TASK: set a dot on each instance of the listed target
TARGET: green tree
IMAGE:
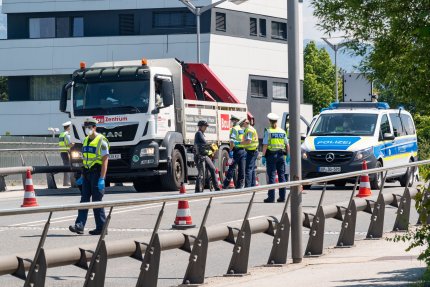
(394, 37)
(3, 89)
(318, 87)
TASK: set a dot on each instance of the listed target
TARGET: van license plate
(115, 156)
(329, 169)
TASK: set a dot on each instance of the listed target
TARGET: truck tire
(222, 164)
(175, 174)
(376, 180)
(409, 177)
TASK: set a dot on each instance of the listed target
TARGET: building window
(42, 28)
(280, 91)
(78, 27)
(279, 30)
(126, 24)
(259, 88)
(253, 27)
(173, 20)
(220, 22)
(47, 88)
(263, 31)
(63, 27)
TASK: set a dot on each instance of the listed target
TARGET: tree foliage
(319, 81)
(3, 89)
(398, 33)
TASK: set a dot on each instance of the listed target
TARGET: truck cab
(346, 134)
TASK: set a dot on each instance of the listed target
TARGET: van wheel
(376, 181)
(175, 174)
(409, 177)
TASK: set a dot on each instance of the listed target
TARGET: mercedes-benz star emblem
(329, 157)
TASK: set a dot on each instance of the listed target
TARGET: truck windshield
(110, 98)
(345, 124)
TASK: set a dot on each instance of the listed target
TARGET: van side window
(385, 126)
(408, 124)
(397, 125)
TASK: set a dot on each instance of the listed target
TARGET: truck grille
(325, 157)
(124, 162)
(120, 133)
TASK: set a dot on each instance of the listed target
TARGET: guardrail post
(50, 179)
(347, 233)
(316, 234)
(403, 211)
(196, 268)
(3, 186)
(239, 261)
(279, 252)
(151, 261)
(376, 227)
(96, 272)
(425, 212)
(23, 175)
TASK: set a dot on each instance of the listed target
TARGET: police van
(346, 134)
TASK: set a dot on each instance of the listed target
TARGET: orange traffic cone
(364, 190)
(276, 178)
(183, 215)
(218, 179)
(257, 182)
(29, 195)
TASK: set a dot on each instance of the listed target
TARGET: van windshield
(345, 124)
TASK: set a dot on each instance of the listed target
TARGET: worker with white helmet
(275, 147)
(65, 143)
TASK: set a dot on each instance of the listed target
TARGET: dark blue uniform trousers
(251, 168)
(239, 160)
(275, 162)
(91, 190)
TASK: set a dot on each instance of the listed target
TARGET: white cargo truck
(148, 110)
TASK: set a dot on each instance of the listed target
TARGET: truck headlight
(304, 154)
(76, 155)
(149, 151)
(363, 154)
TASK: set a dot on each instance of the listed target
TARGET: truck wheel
(222, 164)
(409, 177)
(176, 173)
(376, 181)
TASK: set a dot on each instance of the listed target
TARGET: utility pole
(294, 98)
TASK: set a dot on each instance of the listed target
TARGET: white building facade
(246, 46)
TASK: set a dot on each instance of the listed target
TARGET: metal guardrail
(196, 242)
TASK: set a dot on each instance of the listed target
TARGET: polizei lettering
(337, 142)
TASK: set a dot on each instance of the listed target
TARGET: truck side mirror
(167, 93)
(63, 99)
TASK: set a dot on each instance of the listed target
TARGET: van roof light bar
(359, 105)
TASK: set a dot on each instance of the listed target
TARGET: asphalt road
(20, 234)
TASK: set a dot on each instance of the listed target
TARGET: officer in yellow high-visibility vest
(237, 154)
(275, 148)
(250, 143)
(65, 143)
(95, 154)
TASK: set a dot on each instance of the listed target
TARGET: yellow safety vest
(63, 143)
(276, 139)
(91, 152)
(254, 141)
(238, 135)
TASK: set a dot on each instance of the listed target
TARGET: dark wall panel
(19, 88)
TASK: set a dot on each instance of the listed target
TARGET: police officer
(65, 143)
(250, 143)
(237, 153)
(95, 153)
(275, 146)
(202, 152)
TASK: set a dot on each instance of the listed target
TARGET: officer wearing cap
(201, 156)
(250, 143)
(237, 153)
(95, 153)
(275, 147)
(65, 143)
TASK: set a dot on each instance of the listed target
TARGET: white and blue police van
(346, 134)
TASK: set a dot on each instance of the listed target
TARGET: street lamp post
(336, 47)
(198, 11)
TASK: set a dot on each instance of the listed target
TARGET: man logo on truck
(113, 134)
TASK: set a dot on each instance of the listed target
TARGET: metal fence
(196, 242)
